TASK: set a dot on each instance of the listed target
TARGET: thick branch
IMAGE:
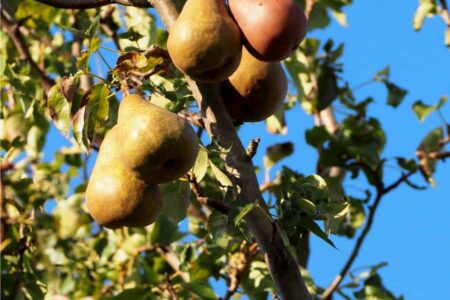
(85, 4)
(14, 33)
(218, 124)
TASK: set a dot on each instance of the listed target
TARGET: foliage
(51, 246)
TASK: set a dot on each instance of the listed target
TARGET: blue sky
(411, 229)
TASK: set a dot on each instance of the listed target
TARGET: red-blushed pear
(115, 196)
(154, 142)
(272, 29)
(205, 43)
(255, 91)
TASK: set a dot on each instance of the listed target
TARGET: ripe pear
(271, 29)
(204, 42)
(156, 143)
(255, 91)
(115, 196)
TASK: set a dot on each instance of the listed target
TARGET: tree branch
(195, 187)
(354, 254)
(85, 4)
(283, 267)
(338, 279)
(16, 37)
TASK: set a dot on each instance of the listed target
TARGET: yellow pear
(156, 143)
(115, 196)
(204, 42)
(256, 90)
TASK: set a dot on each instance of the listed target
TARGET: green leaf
(304, 205)
(176, 197)
(317, 136)
(220, 176)
(409, 165)
(395, 94)
(258, 282)
(383, 75)
(92, 115)
(243, 213)
(59, 108)
(83, 59)
(136, 293)
(374, 289)
(90, 33)
(340, 17)
(327, 85)
(201, 290)
(164, 231)
(277, 152)
(422, 110)
(276, 123)
(201, 164)
(431, 142)
(132, 35)
(319, 17)
(314, 228)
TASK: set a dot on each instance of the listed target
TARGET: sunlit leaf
(59, 108)
(201, 164)
(422, 110)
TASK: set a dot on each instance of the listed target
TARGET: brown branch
(193, 118)
(338, 279)
(282, 266)
(309, 7)
(354, 254)
(16, 37)
(172, 260)
(85, 4)
(207, 201)
(170, 288)
(252, 148)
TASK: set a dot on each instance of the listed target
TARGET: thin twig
(381, 191)
(214, 204)
(170, 288)
(252, 147)
(309, 8)
(172, 260)
(15, 34)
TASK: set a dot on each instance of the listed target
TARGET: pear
(255, 91)
(204, 42)
(271, 29)
(115, 196)
(156, 143)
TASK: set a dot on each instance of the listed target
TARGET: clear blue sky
(411, 229)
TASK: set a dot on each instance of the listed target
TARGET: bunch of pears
(148, 146)
(239, 46)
